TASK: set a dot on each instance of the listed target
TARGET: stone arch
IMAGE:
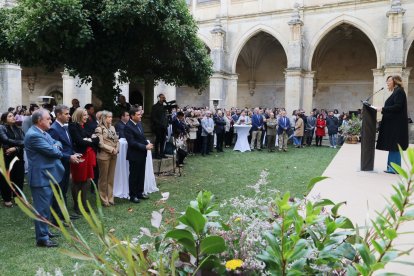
(409, 42)
(325, 30)
(206, 40)
(248, 35)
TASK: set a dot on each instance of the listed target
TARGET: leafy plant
(352, 127)
(306, 237)
(194, 237)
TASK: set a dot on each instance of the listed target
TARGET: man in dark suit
(136, 155)
(120, 125)
(159, 119)
(43, 154)
(59, 132)
(283, 130)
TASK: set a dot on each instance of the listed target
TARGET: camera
(170, 105)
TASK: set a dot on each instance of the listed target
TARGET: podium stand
(368, 131)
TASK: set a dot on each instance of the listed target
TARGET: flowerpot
(352, 139)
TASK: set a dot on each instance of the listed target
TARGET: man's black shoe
(164, 156)
(157, 157)
(143, 197)
(51, 235)
(46, 243)
(134, 200)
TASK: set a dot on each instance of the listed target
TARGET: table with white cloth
(242, 143)
(121, 181)
(121, 185)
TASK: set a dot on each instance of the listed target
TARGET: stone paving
(364, 193)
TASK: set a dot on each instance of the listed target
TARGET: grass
(226, 174)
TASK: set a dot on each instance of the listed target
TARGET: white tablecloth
(121, 183)
(242, 132)
(150, 186)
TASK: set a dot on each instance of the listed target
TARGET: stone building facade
(277, 53)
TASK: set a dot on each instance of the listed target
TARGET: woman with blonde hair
(82, 143)
(106, 157)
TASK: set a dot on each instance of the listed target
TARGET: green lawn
(225, 174)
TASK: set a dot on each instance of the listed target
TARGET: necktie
(65, 127)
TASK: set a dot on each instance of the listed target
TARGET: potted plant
(351, 130)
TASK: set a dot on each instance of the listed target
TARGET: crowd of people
(205, 130)
(76, 145)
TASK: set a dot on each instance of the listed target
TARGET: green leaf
(61, 226)
(323, 202)
(194, 219)
(377, 247)
(397, 201)
(59, 198)
(390, 233)
(344, 223)
(299, 250)
(180, 234)
(31, 214)
(212, 245)
(313, 181)
(334, 209)
(189, 245)
(390, 211)
(365, 254)
(377, 266)
(399, 170)
(390, 256)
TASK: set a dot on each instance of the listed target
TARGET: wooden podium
(368, 134)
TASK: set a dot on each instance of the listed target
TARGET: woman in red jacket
(320, 129)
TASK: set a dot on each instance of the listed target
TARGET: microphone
(369, 98)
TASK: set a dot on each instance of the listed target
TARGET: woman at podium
(393, 130)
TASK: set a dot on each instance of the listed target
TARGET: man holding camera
(159, 118)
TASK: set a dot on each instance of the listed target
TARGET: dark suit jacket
(77, 134)
(119, 127)
(90, 125)
(59, 134)
(283, 126)
(43, 156)
(136, 142)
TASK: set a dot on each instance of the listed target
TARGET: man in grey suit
(44, 155)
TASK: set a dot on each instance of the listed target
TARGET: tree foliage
(94, 39)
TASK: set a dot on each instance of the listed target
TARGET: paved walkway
(363, 192)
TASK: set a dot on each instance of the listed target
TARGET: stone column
(217, 55)
(170, 91)
(293, 89)
(10, 86)
(308, 89)
(379, 82)
(73, 89)
(294, 72)
(405, 78)
(216, 90)
(68, 88)
(394, 54)
(231, 95)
